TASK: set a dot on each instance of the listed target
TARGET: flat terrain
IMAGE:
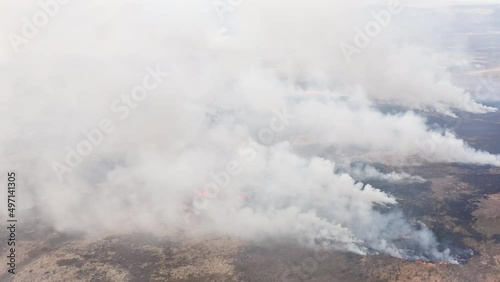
(461, 204)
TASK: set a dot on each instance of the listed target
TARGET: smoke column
(131, 111)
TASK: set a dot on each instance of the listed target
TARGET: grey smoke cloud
(367, 172)
(221, 91)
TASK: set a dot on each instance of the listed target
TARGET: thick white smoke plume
(240, 137)
(367, 172)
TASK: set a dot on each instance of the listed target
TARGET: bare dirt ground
(126, 257)
(461, 204)
(450, 203)
(142, 257)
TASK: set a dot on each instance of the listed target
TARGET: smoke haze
(256, 109)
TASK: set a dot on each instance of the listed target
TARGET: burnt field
(459, 203)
